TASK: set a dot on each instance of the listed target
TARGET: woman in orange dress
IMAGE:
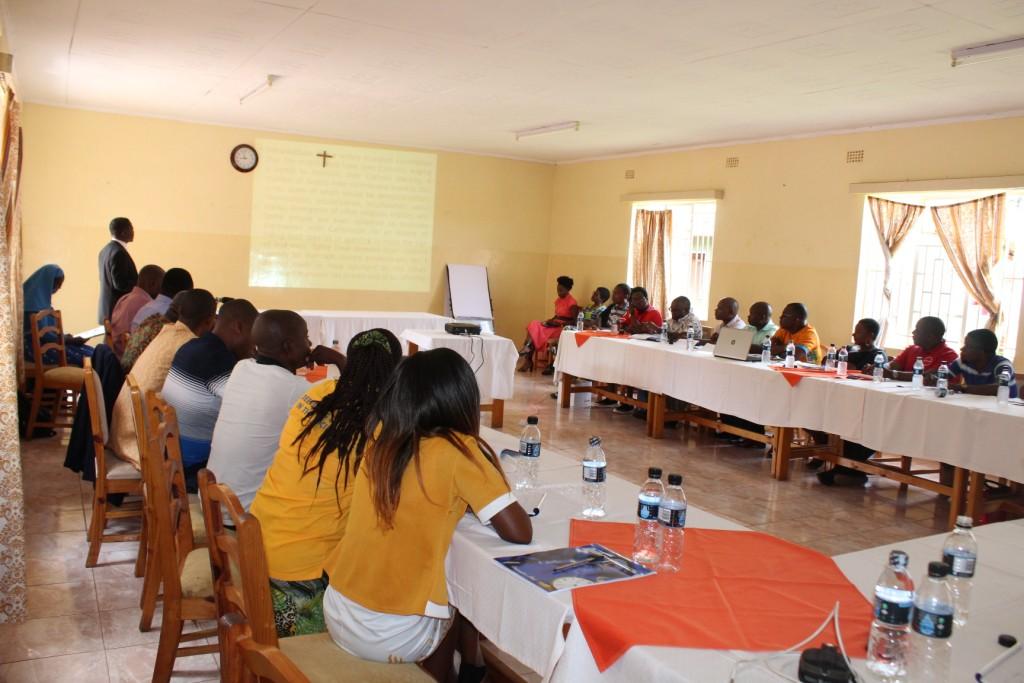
(540, 332)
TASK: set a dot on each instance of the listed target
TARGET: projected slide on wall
(341, 217)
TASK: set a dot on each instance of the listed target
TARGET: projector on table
(462, 328)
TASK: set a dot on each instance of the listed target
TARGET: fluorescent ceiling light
(551, 128)
(258, 89)
(985, 52)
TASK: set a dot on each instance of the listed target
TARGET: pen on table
(991, 666)
(536, 510)
(579, 563)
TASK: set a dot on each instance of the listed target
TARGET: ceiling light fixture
(985, 52)
(543, 130)
(260, 88)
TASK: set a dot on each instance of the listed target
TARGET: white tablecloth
(326, 326)
(492, 358)
(969, 431)
(527, 623)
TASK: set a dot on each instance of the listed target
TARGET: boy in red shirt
(928, 345)
(641, 317)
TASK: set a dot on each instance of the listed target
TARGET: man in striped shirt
(195, 383)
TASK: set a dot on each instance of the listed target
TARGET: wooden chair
(146, 563)
(108, 333)
(182, 568)
(241, 579)
(59, 382)
(259, 662)
(113, 475)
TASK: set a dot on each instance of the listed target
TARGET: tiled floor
(83, 623)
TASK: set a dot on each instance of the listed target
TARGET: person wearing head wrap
(37, 295)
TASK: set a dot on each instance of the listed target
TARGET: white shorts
(381, 637)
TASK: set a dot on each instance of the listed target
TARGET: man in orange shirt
(793, 327)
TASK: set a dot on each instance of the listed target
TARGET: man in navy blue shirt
(978, 368)
(195, 383)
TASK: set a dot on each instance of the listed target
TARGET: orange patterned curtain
(974, 238)
(652, 239)
(893, 221)
(12, 526)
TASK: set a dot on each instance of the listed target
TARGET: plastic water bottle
(579, 320)
(960, 553)
(529, 455)
(648, 532)
(932, 626)
(689, 338)
(842, 362)
(790, 355)
(889, 642)
(594, 466)
(942, 381)
(664, 333)
(336, 345)
(1003, 390)
(830, 359)
(672, 519)
(766, 350)
(880, 360)
(918, 380)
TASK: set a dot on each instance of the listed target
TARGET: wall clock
(244, 158)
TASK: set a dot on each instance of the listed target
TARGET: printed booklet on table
(565, 568)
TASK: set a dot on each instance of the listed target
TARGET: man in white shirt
(257, 398)
(727, 313)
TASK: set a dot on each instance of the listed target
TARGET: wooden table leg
(566, 388)
(975, 495)
(956, 501)
(781, 447)
(655, 415)
(413, 348)
(497, 413)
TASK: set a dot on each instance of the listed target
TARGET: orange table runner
(794, 375)
(583, 337)
(737, 590)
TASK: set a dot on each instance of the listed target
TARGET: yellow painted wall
(788, 228)
(191, 209)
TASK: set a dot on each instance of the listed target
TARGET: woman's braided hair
(341, 415)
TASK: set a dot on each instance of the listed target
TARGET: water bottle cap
(898, 558)
(675, 480)
(532, 420)
(595, 441)
(938, 570)
(964, 522)
(334, 342)
(654, 473)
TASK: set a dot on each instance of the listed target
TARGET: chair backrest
(166, 494)
(97, 422)
(233, 554)
(108, 333)
(51, 324)
(261, 662)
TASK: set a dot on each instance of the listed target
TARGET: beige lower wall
(788, 229)
(191, 209)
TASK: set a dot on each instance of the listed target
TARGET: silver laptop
(734, 344)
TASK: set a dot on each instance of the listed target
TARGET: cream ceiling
(464, 74)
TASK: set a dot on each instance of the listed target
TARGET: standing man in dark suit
(117, 269)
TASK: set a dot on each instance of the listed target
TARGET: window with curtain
(923, 281)
(687, 260)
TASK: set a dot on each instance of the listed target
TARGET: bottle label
(675, 518)
(528, 449)
(893, 606)
(932, 625)
(961, 566)
(647, 511)
(593, 474)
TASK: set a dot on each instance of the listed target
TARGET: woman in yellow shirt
(388, 594)
(322, 443)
